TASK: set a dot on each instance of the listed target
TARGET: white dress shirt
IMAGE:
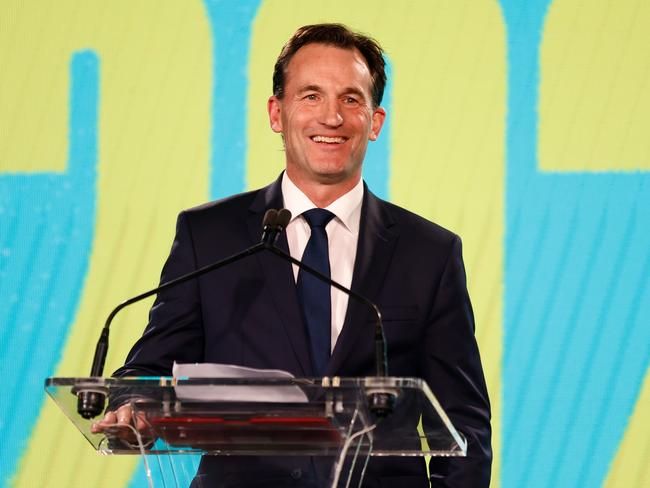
(342, 235)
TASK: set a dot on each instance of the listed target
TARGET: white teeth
(329, 140)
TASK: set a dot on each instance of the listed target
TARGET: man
(327, 88)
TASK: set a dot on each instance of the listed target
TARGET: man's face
(326, 115)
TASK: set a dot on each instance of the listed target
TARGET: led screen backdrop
(521, 125)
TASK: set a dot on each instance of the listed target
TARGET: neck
(323, 194)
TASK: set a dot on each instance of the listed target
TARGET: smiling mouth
(328, 140)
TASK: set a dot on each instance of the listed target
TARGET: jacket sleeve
(175, 329)
(452, 366)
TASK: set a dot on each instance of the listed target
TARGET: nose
(330, 114)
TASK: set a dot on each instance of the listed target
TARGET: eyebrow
(310, 88)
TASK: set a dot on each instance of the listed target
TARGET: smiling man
(261, 312)
(326, 113)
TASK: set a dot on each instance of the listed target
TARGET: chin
(333, 169)
(335, 178)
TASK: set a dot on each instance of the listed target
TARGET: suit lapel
(374, 251)
(279, 276)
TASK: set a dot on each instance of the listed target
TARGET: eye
(350, 101)
(312, 97)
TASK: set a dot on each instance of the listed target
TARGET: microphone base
(382, 393)
(90, 403)
(381, 403)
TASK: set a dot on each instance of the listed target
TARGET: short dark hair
(337, 35)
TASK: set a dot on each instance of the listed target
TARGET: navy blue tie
(314, 294)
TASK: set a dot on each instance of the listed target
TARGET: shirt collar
(346, 208)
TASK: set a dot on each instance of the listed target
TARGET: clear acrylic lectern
(327, 417)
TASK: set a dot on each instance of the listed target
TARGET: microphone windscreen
(284, 216)
(270, 218)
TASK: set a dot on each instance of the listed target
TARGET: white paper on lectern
(234, 393)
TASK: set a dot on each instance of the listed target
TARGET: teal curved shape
(376, 165)
(230, 24)
(230, 27)
(577, 294)
(47, 223)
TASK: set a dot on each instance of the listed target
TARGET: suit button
(296, 474)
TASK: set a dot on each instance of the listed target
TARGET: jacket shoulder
(410, 223)
(225, 207)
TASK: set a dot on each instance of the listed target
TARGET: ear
(378, 117)
(274, 107)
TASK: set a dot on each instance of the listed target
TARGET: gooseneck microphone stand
(91, 401)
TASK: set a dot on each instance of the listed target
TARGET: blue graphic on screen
(377, 162)
(47, 222)
(230, 25)
(577, 308)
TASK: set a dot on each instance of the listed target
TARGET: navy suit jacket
(248, 314)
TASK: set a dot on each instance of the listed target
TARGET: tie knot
(318, 217)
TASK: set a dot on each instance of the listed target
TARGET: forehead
(322, 63)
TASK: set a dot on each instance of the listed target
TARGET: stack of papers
(234, 393)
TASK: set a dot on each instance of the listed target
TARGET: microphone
(91, 399)
(381, 400)
(269, 229)
(274, 223)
